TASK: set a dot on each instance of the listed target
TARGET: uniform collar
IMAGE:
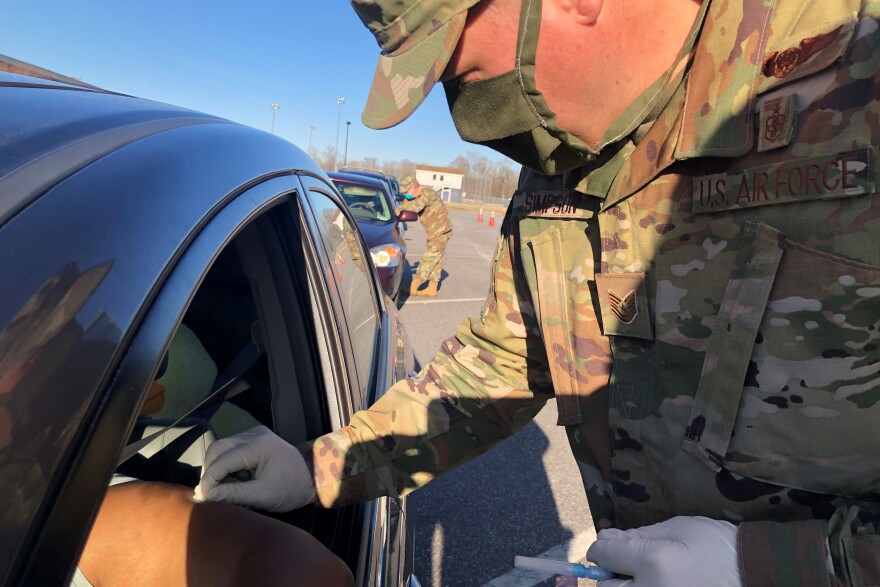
(710, 115)
(723, 80)
(625, 133)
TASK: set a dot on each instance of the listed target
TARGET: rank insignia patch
(777, 122)
(624, 307)
(624, 303)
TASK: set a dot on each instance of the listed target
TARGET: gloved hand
(681, 552)
(280, 480)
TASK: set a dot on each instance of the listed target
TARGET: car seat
(178, 454)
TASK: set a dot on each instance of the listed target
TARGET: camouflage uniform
(438, 229)
(705, 308)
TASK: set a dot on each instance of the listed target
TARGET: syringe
(563, 568)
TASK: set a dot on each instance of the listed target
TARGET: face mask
(409, 196)
(507, 113)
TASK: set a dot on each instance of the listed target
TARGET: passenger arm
(153, 534)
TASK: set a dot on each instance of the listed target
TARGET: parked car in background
(395, 185)
(379, 222)
(390, 181)
(125, 222)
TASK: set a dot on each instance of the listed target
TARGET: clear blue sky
(233, 59)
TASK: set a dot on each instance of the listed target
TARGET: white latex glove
(681, 552)
(280, 480)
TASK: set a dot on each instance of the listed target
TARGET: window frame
(326, 189)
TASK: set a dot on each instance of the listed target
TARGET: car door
(376, 354)
(56, 532)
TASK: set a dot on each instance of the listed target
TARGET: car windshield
(364, 202)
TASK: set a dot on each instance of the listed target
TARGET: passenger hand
(280, 480)
(679, 552)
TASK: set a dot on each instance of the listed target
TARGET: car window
(235, 336)
(351, 270)
(248, 329)
(364, 202)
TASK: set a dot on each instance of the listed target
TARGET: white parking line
(408, 302)
(481, 255)
(572, 550)
(437, 555)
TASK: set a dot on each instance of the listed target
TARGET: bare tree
(484, 178)
(326, 157)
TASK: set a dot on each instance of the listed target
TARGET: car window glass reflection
(217, 328)
(364, 202)
(352, 275)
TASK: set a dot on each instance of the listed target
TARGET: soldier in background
(438, 229)
(689, 267)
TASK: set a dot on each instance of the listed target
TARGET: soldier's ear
(583, 12)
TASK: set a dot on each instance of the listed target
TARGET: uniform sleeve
(484, 384)
(844, 550)
(414, 205)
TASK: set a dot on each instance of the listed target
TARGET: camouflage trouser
(430, 267)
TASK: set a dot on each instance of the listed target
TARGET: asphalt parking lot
(525, 496)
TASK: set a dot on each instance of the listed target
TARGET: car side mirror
(407, 216)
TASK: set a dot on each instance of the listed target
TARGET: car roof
(40, 116)
(49, 129)
(12, 65)
(367, 180)
(366, 172)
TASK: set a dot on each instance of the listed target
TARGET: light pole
(311, 130)
(339, 101)
(275, 106)
(347, 128)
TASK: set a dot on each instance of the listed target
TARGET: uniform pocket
(795, 403)
(578, 355)
(491, 300)
(556, 322)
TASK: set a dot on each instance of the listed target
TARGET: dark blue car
(376, 214)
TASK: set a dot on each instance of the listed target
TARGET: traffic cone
(480, 215)
(492, 219)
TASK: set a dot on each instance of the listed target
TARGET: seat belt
(231, 383)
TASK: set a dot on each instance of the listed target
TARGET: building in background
(446, 181)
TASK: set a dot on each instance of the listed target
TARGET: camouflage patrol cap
(417, 38)
(407, 183)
